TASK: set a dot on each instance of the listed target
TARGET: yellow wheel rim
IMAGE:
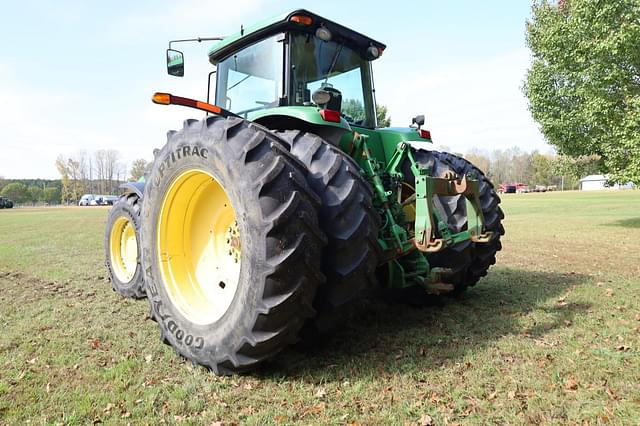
(124, 249)
(199, 247)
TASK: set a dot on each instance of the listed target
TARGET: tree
(61, 165)
(35, 194)
(381, 116)
(51, 195)
(17, 192)
(584, 82)
(138, 167)
(543, 173)
(478, 159)
(354, 109)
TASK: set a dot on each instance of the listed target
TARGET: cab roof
(282, 23)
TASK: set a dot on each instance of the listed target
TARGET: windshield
(251, 79)
(316, 63)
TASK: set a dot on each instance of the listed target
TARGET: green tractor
(5, 203)
(274, 215)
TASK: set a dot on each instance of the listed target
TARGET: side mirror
(419, 120)
(175, 63)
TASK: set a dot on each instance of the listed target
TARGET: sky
(79, 74)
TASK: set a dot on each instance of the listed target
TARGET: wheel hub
(198, 243)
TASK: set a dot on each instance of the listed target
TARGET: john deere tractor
(270, 217)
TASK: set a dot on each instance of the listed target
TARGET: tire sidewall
(123, 209)
(210, 343)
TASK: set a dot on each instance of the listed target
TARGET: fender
(133, 188)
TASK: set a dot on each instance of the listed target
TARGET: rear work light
(330, 115)
(302, 20)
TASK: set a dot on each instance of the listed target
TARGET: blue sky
(78, 75)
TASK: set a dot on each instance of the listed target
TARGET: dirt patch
(21, 285)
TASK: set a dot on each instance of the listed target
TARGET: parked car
(86, 200)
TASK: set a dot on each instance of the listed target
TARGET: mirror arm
(198, 39)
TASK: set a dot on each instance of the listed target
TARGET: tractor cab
(300, 66)
(299, 71)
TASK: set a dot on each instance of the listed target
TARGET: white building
(596, 182)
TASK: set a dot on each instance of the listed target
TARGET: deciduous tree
(584, 82)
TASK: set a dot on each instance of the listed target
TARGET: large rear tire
(348, 218)
(232, 244)
(483, 255)
(122, 247)
(455, 258)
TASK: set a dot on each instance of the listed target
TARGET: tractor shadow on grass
(389, 337)
(633, 222)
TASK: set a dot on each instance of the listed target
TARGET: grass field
(552, 335)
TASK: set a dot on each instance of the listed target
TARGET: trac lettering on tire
(179, 153)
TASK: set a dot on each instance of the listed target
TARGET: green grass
(552, 335)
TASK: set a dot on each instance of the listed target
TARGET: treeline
(100, 173)
(82, 173)
(33, 191)
(534, 168)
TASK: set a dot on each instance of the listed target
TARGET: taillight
(425, 134)
(330, 115)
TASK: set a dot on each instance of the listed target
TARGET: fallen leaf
(571, 385)
(316, 409)
(609, 292)
(32, 360)
(217, 423)
(148, 358)
(108, 408)
(95, 344)
(139, 401)
(125, 415)
(637, 317)
(568, 323)
(511, 395)
(622, 348)
(492, 396)
(426, 420)
(48, 387)
(321, 393)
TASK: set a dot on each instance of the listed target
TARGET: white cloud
(477, 104)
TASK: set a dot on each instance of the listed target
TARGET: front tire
(122, 247)
(232, 244)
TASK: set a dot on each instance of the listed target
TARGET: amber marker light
(301, 19)
(161, 98)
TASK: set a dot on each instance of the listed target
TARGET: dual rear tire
(232, 244)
